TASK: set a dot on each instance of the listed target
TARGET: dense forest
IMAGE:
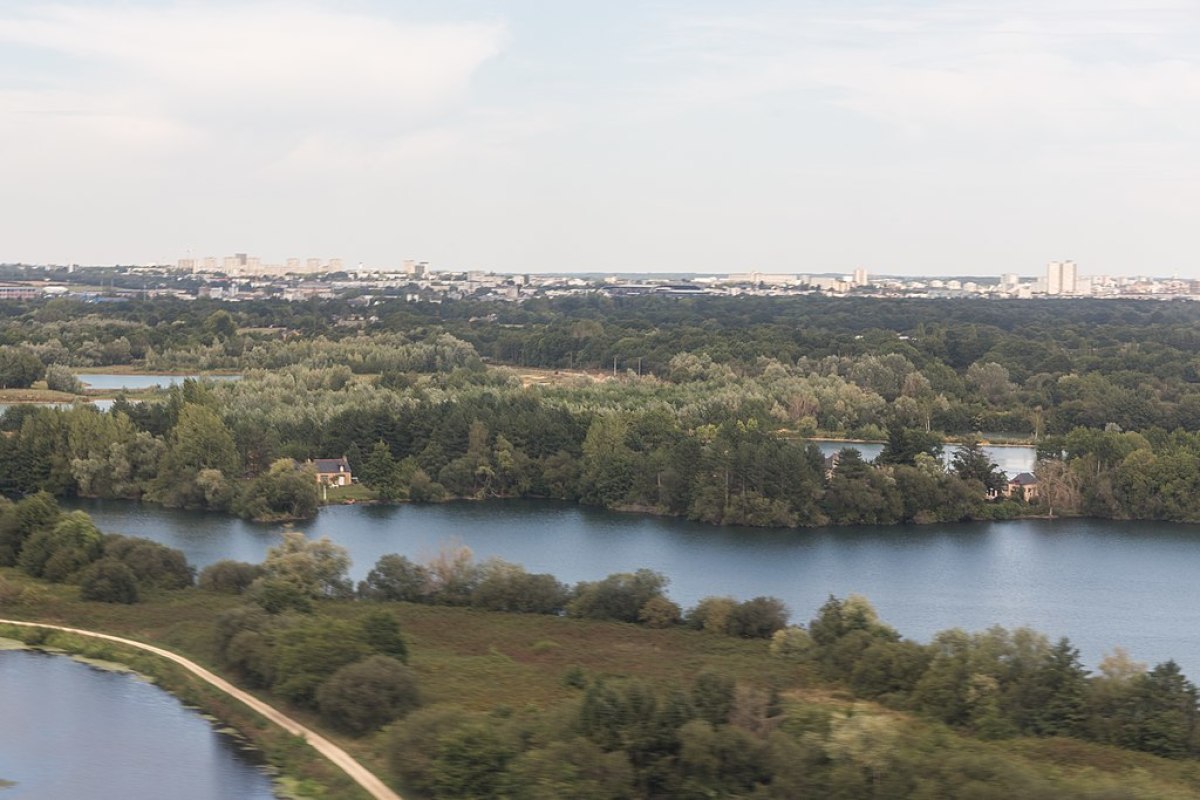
(705, 415)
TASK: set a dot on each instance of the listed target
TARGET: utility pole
(614, 366)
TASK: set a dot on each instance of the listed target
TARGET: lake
(115, 382)
(73, 731)
(1012, 459)
(1101, 583)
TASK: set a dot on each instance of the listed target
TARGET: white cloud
(1055, 68)
(255, 76)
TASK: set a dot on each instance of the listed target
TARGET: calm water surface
(1012, 459)
(68, 730)
(1101, 583)
(112, 382)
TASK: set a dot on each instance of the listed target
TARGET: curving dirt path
(361, 775)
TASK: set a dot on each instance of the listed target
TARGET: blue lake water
(1101, 583)
(1012, 459)
(112, 382)
(68, 730)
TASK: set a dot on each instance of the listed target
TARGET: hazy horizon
(924, 139)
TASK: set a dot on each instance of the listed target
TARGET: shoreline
(193, 688)
(630, 510)
(219, 726)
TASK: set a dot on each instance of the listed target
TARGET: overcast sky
(555, 135)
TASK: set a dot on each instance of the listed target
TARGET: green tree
(153, 564)
(59, 552)
(228, 576)
(108, 581)
(905, 444)
(381, 472)
(309, 652)
(381, 632)
(972, 463)
(19, 520)
(758, 618)
(1160, 715)
(60, 378)
(396, 578)
(317, 568)
(220, 325)
(200, 460)
(620, 596)
(508, 587)
(19, 368)
(286, 491)
(471, 763)
(361, 697)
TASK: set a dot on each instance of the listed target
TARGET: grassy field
(35, 395)
(354, 493)
(486, 660)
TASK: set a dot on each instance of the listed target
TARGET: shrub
(229, 576)
(618, 597)
(381, 632)
(56, 553)
(108, 581)
(368, 694)
(758, 618)
(395, 577)
(60, 379)
(659, 612)
(152, 563)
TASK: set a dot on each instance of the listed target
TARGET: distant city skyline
(916, 139)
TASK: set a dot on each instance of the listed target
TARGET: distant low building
(19, 292)
(333, 471)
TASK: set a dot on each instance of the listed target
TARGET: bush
(108, 581)
(229, 576)
(286, 491)
(309, 653)
(277, 595)
(56, 553)
(508, 587)
(758, 618)
(381, 632)
(19, 368)
(60, 379)
(712, 614)
(618, 597)
(152, 563)
(659, 612)
(366, 695)
(791, 643)
(395, 578)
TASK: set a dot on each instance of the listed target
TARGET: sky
(809, 136)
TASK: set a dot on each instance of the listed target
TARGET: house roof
(325, 465)
(1024, 479)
